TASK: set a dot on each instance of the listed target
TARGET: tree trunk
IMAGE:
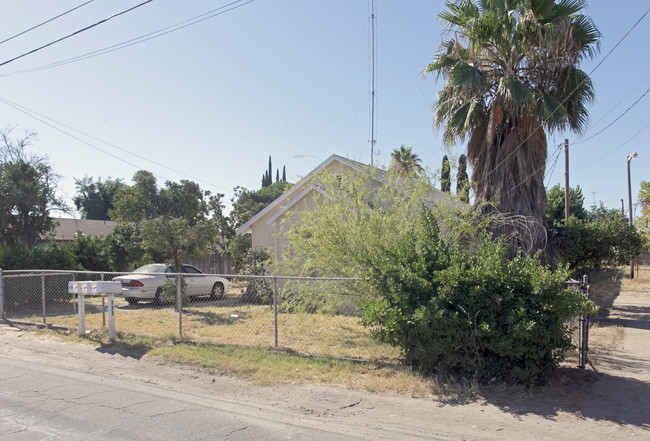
(508, 163)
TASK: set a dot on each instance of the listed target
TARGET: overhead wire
(611, 110)
(615, 149)
(45, 22)
(75, 33)
(142, 38)
(613, 122)
(42, 118)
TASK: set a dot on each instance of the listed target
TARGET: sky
(287, 78)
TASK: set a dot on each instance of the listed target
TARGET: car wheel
(158, 298)
(217, 291)
(132, 301)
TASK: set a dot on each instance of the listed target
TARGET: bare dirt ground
(608, 400)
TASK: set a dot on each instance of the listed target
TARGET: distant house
(265, 227)
(68, 229)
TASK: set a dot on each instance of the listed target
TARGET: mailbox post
(104, 289)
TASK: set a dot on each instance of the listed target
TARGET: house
(265, 227)
(67, 229)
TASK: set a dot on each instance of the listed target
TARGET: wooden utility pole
(567, 209)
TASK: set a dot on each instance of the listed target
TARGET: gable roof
(305, 185)
(300, 189)
(67, 229)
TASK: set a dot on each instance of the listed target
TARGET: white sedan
(145, 283)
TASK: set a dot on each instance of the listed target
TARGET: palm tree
(405, 161)
(511, 72)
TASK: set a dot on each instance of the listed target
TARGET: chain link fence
(315, 316)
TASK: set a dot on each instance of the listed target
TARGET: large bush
(477, 314)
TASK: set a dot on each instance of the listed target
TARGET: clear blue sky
(287, 78)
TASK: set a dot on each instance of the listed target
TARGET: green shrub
(603, 241)
(170, 292)
(258, 291)
(477, 314)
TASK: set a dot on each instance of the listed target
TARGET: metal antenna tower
(372, 81)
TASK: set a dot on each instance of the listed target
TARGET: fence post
(103, 304)
(585, 324)
(275, 308)
(74, 296)
(43, 294)
(2, 297)
(179, 306)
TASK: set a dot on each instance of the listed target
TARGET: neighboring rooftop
(67, 229)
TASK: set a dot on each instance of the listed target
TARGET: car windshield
(151, 268)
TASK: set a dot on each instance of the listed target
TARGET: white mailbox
(101, 288)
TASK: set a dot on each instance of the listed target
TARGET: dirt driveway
(611, 403)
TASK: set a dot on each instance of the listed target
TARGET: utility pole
(629, 196)
(567, 209)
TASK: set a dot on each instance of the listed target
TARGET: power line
(613, 122)
(75, 33)
(577, 141)
(612, 151)
(41, 118)
(563, 101)
(46, 22)
(141, 39)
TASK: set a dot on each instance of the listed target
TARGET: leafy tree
(222, 222)
(171, 222)
(511, 71)
(462, 180)
(405, 161)
(94, 200)
(123, 247)
(176, 237)
(247, 203)
(27, 192)
(238, 249)
(137, 202)
(555, 205)
(445, 175)
(183, 200)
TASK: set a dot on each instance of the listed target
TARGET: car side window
(190, 269)
(170, 270)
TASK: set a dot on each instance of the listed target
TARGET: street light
(629, 201)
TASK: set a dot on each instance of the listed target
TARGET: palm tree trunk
(508, 177)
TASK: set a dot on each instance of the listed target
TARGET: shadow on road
(130, 350)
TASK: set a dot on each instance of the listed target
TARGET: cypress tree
(445, 178)
(270, 175)
(277, 175)
(462, 180)
(284, 173)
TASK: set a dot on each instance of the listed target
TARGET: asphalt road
(40, 402)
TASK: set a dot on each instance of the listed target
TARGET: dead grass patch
(246, 326)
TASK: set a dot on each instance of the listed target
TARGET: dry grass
(243, 325)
